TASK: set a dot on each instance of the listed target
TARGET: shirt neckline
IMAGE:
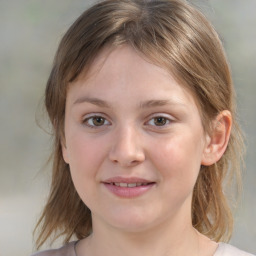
(216, 253)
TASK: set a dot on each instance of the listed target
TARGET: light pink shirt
(69, 250)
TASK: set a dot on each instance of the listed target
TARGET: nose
(127, 149)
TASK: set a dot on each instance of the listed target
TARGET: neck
(174, 238)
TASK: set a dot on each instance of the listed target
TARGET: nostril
(130, 163)
(127, 160)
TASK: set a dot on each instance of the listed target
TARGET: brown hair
(172, 34)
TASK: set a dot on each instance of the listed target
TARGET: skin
(149, 127)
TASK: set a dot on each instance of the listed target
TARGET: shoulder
(229, 250)
(66, 250)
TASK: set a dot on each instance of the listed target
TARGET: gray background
(29, 34)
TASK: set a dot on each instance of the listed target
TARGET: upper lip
(120, 179)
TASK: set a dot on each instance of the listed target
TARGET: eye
(159, 121)
(96, 121)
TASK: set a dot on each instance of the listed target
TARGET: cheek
(178, 158)
(85, 161)
(85, 157)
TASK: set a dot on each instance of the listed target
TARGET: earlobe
(217, 142)
(64, 151)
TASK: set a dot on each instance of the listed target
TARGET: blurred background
(30, 31)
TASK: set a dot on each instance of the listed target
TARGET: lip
(128, 192)
(119, 179)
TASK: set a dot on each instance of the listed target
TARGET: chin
(132, 222)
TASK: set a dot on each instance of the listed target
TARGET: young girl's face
(134, 142)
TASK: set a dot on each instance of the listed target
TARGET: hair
(176, 36)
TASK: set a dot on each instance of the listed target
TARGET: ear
(217, 141)
(64, 150)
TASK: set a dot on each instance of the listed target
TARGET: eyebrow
(156, 103)
(144, 104)
(94, 101)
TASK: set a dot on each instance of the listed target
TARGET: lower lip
(127, 192)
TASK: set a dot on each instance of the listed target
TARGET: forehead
(112, 58)
(115, 61)
(123, 72)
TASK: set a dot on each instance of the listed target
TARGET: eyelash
(166, 120)
(87, 120)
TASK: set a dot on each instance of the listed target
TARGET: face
(134, 142)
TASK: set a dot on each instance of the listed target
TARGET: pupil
(160, 121)
(98, 121)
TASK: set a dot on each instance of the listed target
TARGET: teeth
(129, 185)
(132, 185)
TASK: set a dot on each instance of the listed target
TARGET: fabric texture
(66, 250)
(229, 250)
(69, 250)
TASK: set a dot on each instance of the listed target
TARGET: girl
(142, 106)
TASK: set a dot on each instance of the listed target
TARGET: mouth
(128, 187)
